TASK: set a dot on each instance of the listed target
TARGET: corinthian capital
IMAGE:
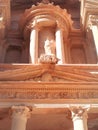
(78, 112)
(20, 111)
(93, 20)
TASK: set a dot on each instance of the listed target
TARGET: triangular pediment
(47, 73)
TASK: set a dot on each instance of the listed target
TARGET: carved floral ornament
(45, 15)
(79, 112)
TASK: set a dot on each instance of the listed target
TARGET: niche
(78, 55)
(46, 33)
(13, 54)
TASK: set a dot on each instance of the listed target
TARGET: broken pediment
(48, 73)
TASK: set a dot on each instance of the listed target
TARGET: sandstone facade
(48, 65)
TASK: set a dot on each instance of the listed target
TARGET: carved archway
(56, 24)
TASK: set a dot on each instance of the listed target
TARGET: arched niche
(46, 22)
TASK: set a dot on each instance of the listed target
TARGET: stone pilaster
(20, 115)
(93, 24)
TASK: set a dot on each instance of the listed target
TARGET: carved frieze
(39, 93)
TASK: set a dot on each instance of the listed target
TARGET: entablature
(88, 8)
(48, 82)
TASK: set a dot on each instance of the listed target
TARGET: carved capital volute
(92, 20)
(20, 111)
(79, 113)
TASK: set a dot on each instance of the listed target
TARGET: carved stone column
(60, 46)
(79, 117)
(20, 115)
(93, 23)
(34, 45)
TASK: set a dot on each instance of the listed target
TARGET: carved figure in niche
(50, 53)
(49, 47)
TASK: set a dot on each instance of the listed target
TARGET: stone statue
(50, 53)
(49, 47)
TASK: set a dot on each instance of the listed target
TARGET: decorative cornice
(88, 7)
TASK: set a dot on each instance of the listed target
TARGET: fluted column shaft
(60, 46)
(34, 46)
(20, 115)
(79, 117)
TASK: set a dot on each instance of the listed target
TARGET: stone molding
(47, 91)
